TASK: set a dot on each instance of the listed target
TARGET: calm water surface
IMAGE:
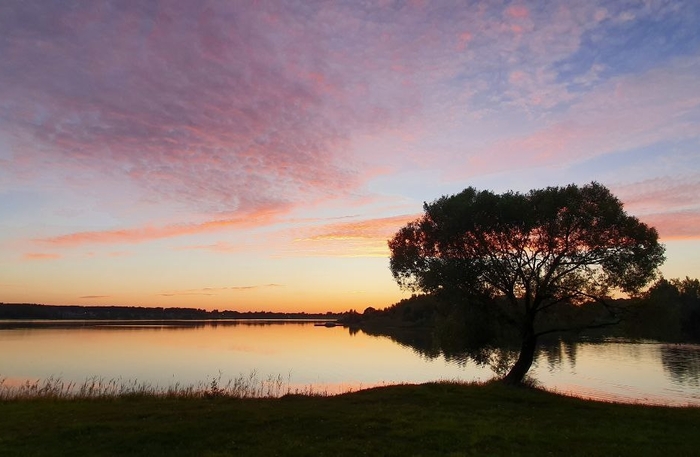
(327, 359)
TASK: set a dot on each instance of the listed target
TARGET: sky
(257, 155)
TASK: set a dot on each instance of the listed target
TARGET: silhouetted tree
(524, 256)
(670, 310)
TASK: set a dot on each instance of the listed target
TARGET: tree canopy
(531, 252)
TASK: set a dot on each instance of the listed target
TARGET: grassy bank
(431, 419)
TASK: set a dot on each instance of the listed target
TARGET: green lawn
(431, 419)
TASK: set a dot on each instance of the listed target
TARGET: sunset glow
(257, 155)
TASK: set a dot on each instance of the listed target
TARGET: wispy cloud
(227, 107)
(382, 227)
(675, 225)
(360, 238)
(220, 246)
(263, 286)
(184, 294)
(41, 256)
(119, 254)
(222, 106)
(213, 291)
(668, 203)
(90, 297)
(625, 113)
(138, 235)
(662, 193)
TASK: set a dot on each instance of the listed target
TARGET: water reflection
(326, 358)
(682, 362)
(145, 324)
(558, 353)
(606, 369)
(334, 359)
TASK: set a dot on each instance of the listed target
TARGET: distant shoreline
(39, 312)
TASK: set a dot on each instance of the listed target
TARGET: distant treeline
(59, 312)
(668, 311)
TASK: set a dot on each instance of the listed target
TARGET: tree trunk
(527, 354)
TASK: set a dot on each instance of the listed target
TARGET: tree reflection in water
(430, 344)
(682, 362)
(558, 351)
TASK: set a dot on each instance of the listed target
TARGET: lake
(324, 359)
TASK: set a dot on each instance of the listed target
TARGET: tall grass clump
(242, 386)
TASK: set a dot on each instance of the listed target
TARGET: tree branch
(579, 327)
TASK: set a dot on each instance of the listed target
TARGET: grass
(56, 388)
(441, 419)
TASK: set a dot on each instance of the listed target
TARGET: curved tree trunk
(527, 354)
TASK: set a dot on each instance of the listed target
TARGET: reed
(95, 387)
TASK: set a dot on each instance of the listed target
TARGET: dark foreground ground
(425, 420)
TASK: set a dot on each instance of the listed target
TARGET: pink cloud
(220, 246)
(221, 107)
(235, 109)
(226, 107)
(364, 229)
(141, 234)
(463, 39)
(675, 225)
(40, 256)
(625, 113)
(363, 238)
(517, 11)
(661, 194)
(119, 254)
(669, 204)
